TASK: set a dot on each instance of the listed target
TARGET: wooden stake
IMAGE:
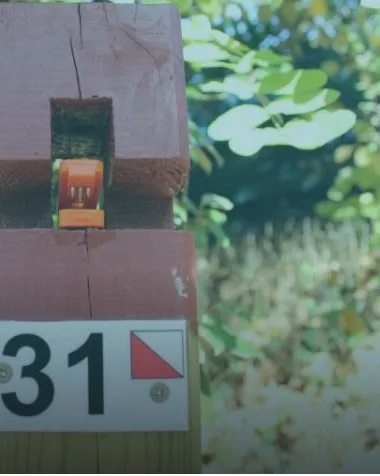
(121, 64)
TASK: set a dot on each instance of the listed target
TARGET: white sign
(93, 376)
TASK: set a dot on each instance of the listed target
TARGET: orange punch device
(80, 186)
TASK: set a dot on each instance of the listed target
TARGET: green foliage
(277, 104)
(269, 79)
(360, 161)
(204, 220)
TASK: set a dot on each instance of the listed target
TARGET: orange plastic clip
(80, 185)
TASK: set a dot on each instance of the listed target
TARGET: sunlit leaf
(212, 64)
(248, 142)
(196, 28)
(210, 7)
(289, 106)
(370, 3)
(229, 44)
(217, 216)
(230, 123)
(343, 153)
(240, 86)
(310, 134)
(318, 131)
(216, 201)
(203, 52)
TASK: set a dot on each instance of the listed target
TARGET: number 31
(92, 350)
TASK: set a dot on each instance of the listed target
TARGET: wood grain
(43, 275)
(140, 272)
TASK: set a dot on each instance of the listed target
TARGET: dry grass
(291, 353)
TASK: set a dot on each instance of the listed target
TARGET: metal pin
(160, 392)
(6, 372)
(80, 195)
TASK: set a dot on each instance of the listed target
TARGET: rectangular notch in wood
(81, 129)
(84, 129)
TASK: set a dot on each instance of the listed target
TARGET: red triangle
(147, 364)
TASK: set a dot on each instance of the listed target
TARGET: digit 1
(92, 350)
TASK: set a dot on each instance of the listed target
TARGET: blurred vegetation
(290, 343)
(289, 322)
(283, 101)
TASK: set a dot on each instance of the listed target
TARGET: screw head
(160, 392)
(6, 372)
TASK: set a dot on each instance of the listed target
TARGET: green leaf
(293, 82)
(216, 201)
(240, 86)
(230, 123)
(229, 44)
(219, 234)
(322, 128)
(266, 56)
(288, 105)
(275, 82)
(203, 52)
(200, 158)
(262, 58)
(217, 216)
(310, 134)
(370, 3)
(213, 339)
(248, 142)
(180, 212)
(198, 66)
(200, 234)
(244, 349)
(210, 7)
(214, 332)
(309, 80)
(196, 28)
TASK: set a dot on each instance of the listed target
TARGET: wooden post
(98, 330)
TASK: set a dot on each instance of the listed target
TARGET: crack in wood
(88, 271)
(75, 67)
(79, 11)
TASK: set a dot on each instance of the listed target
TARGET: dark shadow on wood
(133, 211)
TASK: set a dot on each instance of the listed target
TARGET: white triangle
(167, 344)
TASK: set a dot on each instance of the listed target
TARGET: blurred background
(284, 202)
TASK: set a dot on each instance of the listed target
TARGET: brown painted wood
(43, 275)
(123, 274)
(138, 273)
(136, 211)
(131, 54)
